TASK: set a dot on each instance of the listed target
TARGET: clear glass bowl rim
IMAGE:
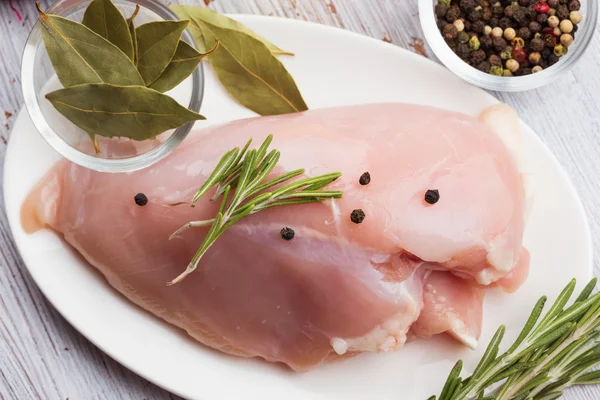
(498, 83)
(34, 40)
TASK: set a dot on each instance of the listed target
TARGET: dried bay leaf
(80, 55)
(219, 20)
(134, 112)
(157, 42)
(131, 28)
(104, 18)
(183, 63)
(250, 73)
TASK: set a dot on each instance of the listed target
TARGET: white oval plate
(332, 67)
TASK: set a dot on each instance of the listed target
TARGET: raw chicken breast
(338, 288)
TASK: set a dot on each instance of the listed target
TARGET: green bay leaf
(183, 63)
(104, 18)
(156, 43)
(250, 73)
(134, 112)
(221, 21)
(79, 55)
(131, 27)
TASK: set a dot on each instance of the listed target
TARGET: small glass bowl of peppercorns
(509, 45)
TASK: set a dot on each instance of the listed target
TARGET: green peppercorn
(506, 53)
(463, 37)
(474, 43)
(560, 50)
(445, 2)
(507, 73)
(496, 70)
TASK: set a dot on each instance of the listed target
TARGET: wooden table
(43, 357)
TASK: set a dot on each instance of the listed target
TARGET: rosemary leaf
(246, 172)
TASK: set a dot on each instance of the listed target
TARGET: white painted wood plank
(43, 357)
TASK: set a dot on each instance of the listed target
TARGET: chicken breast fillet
(338, 288)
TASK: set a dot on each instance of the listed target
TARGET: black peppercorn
(562, 12)
(441, 10)
(365, 179)
(477, 57)
(453, 14)
(468, 5)
(553, 59)
(487, 14)
(467, 25)
(519, 15)
(543, 63)
(497, 10)
(499, 44)
(495, 60)
(141, 199)
(531, 13)
(474, 15)
(357, 216)
(546, 53)
(574, 5)
(478, 26)
(287, 233)
(486, 42)
(527, 71)
(509, 11)
(494, 21)
(463, 51)
(575, 29)
(524, 33)
(432, 196)
(450, 32)
(524, 3)
(553, 3)
(537, 44)
(505, 23)
(441, 23)
(535, 27)
(541, 18)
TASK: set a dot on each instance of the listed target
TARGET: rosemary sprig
(240, 178)
(547, 357)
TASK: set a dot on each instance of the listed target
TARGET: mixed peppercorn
(509, 37)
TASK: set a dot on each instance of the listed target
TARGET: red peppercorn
(519, 54)
(549, 31)
(541, 7)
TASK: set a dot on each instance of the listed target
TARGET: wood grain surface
(43, 357)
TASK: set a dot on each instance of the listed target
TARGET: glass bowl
(116, 154)
(589, 10)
